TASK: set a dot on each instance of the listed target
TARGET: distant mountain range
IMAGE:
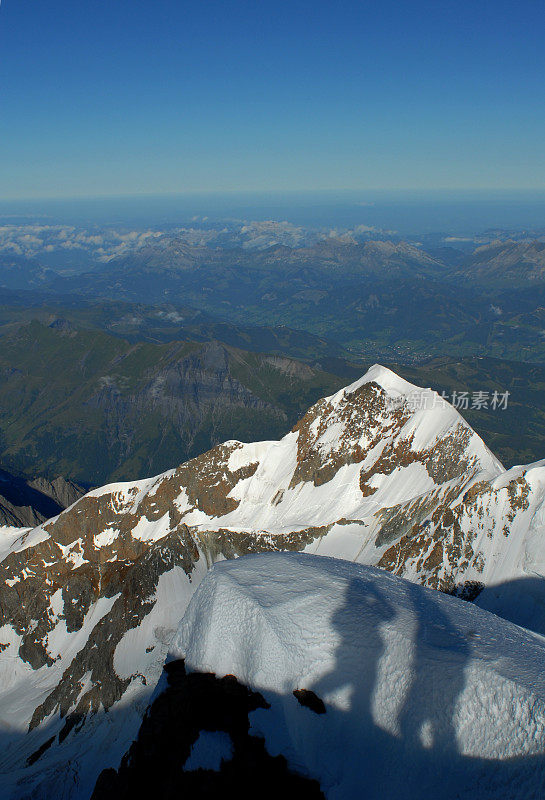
(379, 299)
(164, 351)
(507, 263)
(18, 272)
(92, 405)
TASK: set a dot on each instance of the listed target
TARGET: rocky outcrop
(25, 503)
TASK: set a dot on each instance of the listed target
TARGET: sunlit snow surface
(424, 693)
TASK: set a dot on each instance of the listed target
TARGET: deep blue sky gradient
(123, 96)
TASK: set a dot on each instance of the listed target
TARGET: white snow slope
(425, 695)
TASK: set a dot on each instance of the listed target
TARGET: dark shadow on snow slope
(404, 766)
(358, 651)
(429, 703)
(421, 759)
(521, 601)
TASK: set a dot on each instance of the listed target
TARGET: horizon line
(273, 193)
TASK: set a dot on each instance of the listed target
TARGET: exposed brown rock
(363, 414)
(309, 699)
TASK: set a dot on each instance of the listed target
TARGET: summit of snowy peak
(381, 412)
(390, 381)
(396, 394)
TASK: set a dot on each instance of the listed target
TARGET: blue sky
(121, 96)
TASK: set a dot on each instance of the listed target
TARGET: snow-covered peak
(392, 383)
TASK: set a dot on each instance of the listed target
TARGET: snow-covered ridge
(424, 694)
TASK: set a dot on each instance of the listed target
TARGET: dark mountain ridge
(27, 502)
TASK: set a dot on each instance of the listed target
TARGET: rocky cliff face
(26, 503)
(381, 472)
